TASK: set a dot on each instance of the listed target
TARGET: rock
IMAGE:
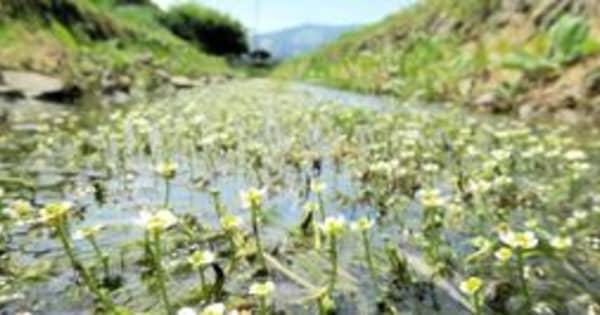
(111, 83)
(181, 82)
(38, 86)
(11, 94)
(592, 84)
(527, 112)
(568, 116)
(490, 102)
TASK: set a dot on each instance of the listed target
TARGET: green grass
(437, 49)
(129, 32)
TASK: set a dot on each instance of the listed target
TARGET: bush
(208, 29)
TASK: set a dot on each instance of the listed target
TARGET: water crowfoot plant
(56, 216)
(89, 234)
(213, 309)
(168, 171)
(521, 243)
(252, 200)
(472, 287)
(363, 226)
(333, 228)
(156, 224)
(199, 260)
(263, 291)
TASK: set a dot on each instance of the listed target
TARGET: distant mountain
(299, 40)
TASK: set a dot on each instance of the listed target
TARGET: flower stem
(102, 258)
(88, 280)
(334, 267)
(524, 287)
(255, 230)
(167, 192)
(477, 304)
(369, 259)
(161, 273)
(263, 306)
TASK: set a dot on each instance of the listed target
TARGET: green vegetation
(210, 30)
(441, 50)
(77, 38)
(255, 197)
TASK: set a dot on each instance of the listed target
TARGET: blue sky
(278, 14)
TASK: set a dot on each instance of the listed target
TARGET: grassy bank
(506, 51)
(82, 38)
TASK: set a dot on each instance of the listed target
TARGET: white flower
(262, 289)
(431, 168)
(230, 222)
(575, 155)
(157, 222)
(167, 170)
(471, 285)
(252, 198)
(18, 209)
(87, 232)
(561, 243)
(525, 240)
(317, 187)
(214, 309)
(186, 311)
(503, 254)
(430, 198)
(362, 224)
(333, 226)
(55, 212)
(201, 258)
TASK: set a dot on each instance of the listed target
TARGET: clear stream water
(56, 296)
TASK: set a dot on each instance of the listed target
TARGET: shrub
(208, 29)
(570, 39)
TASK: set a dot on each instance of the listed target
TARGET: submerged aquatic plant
(363, 226)
(168, 171)
(56, 217)
(521, 243)
(262, 291)
(333, 228)
(199, 260)
(252, 199)
(472, 287)
(156, 224)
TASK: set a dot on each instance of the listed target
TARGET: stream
(95, 159)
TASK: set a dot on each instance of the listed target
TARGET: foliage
(210, 30)
(566, 41)
(570, 39)
(374, 205)
(68, 37)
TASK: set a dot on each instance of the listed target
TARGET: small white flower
(186, 311)
(18, 209)
(252, 198)
(201, 258)
(362, 224)
(575, 155)
(230, 222)
(214, 309)
(525, 240)
(430, 198)
(317, 187)
(167, 170)
(157, 222)
(87, 232)
(561, 243)
(333, 226)
(262, 289)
